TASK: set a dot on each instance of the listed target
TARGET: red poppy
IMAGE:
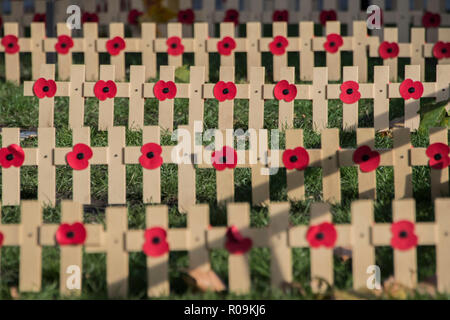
(155, 244)
(349, 92)
(164, 90)
(403, 236)
(278, 45)
(186, 16)
(224, 91)
(44, 88)
(388, 50)
(285, 91)
(226, 46)
(133, 16)
(225, 158)
(1, 239)
(439, 155)
(39, 17)
(231, 15)
(441, 50)
(333, 43)
(12, 155)
(115, 45)
(174, 46)
(71, 234)
(327, 15)
(78, 158)
(280, 15)
(367, 159)
(411, 89)
(11, 43)
(431, 20)
(64, 44)
(236, 243)
(105, 89)
(297, 158)
(323, 234)
(89, 17)
(151, 156)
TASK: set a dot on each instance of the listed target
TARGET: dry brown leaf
(344, 253)
(204, 280)
(351, 295)
(428, 286)
(14, 293)
(295, 287)
(393, 289)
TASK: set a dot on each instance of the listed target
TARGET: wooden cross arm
(123, 89)
(297, 236)
(161, 46)
(404, 50)
(47, 234)
(241, 44)
(345, 157)
(31, 156)
(182, 90)
(99, 156)
(333, 91)
(131, 45)
(62, 88)
(242, 91)
(178, 239)
(319, 42)
(78, 45)
(430, 90)
(132, 154)
(216, 237)
(303, 91)
(11, 234)
(426, 232)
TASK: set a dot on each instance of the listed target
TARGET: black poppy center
(349, 91)
(320, 236)
(411, 90)
(225, 91)
(432, 19)
(150, 155)
(185, 16)
(293, 158)
(226, 45)
(437, 157)
(173, 45)
(116, 45)
(156, 240)
(279, 45)
(332, 44)
(80, 156)
(403, 234)
(224, 159)
(105, 90)
(444, 50)
(70, 234)
(389, 50)
(63, 45)
(232, 16)
(45, 89)
(10, 45)
(9, 157)
(285, 91)
(365, 157)
(165, 90)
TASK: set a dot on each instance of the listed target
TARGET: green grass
(19, 111)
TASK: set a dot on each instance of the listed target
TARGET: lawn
(19, 111)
